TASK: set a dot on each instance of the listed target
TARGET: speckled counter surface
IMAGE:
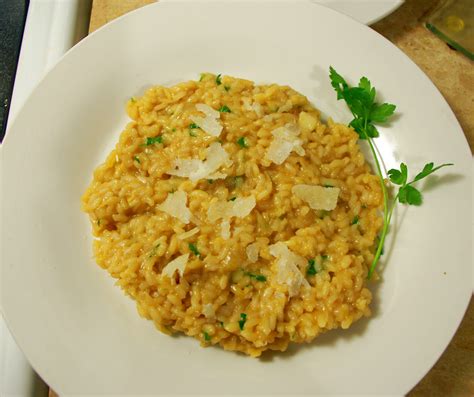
(453, 74)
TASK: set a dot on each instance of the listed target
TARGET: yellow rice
(135, 240)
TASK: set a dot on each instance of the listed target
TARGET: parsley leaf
(409, 195)
(429, 169)
(227, 88)
(192, 127)
(151, 141)
(218, 79)
(136, 159)
(194, 250)
(154, 251)
(355, 220)
(224, 109)
(258, 277)
(399, 177)
(242, 142)
(233, 198)
(207, 337)
(311, 270)
(243, 319)
(380, 113)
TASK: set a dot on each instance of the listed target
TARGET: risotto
(231, 213)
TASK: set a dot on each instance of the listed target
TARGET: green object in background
(453, 22)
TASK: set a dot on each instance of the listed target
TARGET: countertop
(453, 74)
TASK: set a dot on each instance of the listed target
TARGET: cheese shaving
(252, 252)
(189, 233)
(225, 210)
(252, 107)
(208, 310)
(318, 197)
(285, 140)
(175, 205)
(288, 268)
(240, 208)
(178, 264)
(195, 169)
(210, 123)
(225, 229)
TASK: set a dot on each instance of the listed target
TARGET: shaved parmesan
(210, 123)
(252, 107)
(189, 233)
(225, 210)
(288, 268)
(285, 140)
(225, 229)
(178, 264)
(208, 310)
(307, 122)
(252, 251)
(318, 197)
(175, 205)
(195, 169)
(240, 208)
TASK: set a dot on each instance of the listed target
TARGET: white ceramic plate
(365, 11)
(79, 331)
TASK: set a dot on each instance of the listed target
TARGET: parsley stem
(386, 213)
(383, 235)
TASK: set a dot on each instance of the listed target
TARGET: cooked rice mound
(230, 212)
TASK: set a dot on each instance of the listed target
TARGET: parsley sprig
(367, 112)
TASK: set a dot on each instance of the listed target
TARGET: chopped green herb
(242, 142)
(153, 251)
(328, 185)
(218, 79)
(99, 222)
(243, 319)
(258, 277)
(311, 270)
(151, 141)
(224, 109)
(194, 249)
(366, 111)
(355, 220)
(201, 76)
(136, 159)
(221, 323)
(324, 257)
(192, 127)
(133, 99)
(232, 198)
(234, 182)
(227, 88)
(173, 129)
(323, 213)
(207, 337)
(210, 181)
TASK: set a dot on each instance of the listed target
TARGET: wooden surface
(453, 74)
